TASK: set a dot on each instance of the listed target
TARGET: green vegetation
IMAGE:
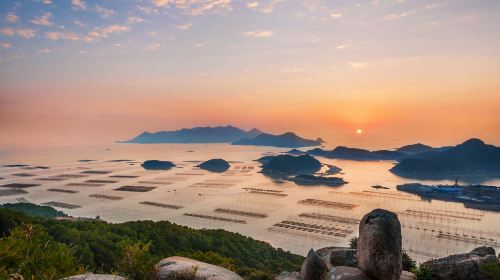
(424, 273)
(353, 243)
(30, 251)
(130, 248)
(34, 210)
(492, 270)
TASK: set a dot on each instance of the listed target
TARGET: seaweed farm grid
(287, 215)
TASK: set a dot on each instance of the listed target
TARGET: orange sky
(402, 71)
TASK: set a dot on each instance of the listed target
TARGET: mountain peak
(473, 142)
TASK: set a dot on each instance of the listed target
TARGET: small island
(157, 165)
(311, 180)
(215, 165)
(286, 140)
(289, 165)
(473, 158)
(472, 196)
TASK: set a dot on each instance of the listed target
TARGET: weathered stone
(346, 273)
(462, 266)
(288, 276)
(379, 245)
(184, 268)
(405, 275)
(95, 277)
(313, 267)
(338, 256)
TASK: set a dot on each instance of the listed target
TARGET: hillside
(219, 134)
(286, 140)
(99, 245)
(342, 152)
(471, 158)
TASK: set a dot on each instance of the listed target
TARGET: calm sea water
(83, 181)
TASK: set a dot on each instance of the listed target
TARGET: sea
(107, 181)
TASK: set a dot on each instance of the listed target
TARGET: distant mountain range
(342, 152)
(225, 134)
(219, 134)
(286, 140)
(471, 158)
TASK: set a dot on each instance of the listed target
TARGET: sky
(403, 71)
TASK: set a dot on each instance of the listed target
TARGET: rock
(405, 275)
(288, 276)
(184, 268)
(462, 266)
(346, 273)
(338, 256)
(313, 267)
(379, 245)
(95, 277)
(215, 165)
(157, 165)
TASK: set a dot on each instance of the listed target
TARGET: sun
(359, 131)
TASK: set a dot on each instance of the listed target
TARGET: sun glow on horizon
(359, 131)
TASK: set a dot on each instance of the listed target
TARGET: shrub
(424, 273)
(136, 261)
(353, 242)
(409, 264)
(30, 251)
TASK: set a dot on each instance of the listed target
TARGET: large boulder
(346, 273)
(95, 277)
(379, 245)
(288, 276)
(338, 256)
(184, 268)
(313, 267)
(462, 266)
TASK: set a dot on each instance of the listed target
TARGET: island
(219, 134)
(157, 165)
(311, 180)
(471, 158)
(342, 152)
(472, 196)
(419, 148)
(288, 164)
(215, 165)
(286, 140)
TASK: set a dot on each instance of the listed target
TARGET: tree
(32, 253)
(136, 261)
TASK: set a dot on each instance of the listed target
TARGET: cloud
(104, 12)
(105, 32)
(398, 16)
(265, 8)
(358, 64)
(11, 18)
(70, 36)
(199, 45)
(43, 20)
(185, 26)
(79, 23)
(152, 47)
(252, 5)
(43, 51)
(5, 45)
(78, 4)
(46, 2)
(193, 7)
(259, 33)
(135, 20)
(341, 47)
(161, 3)
(335, 15)
(23, 32)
